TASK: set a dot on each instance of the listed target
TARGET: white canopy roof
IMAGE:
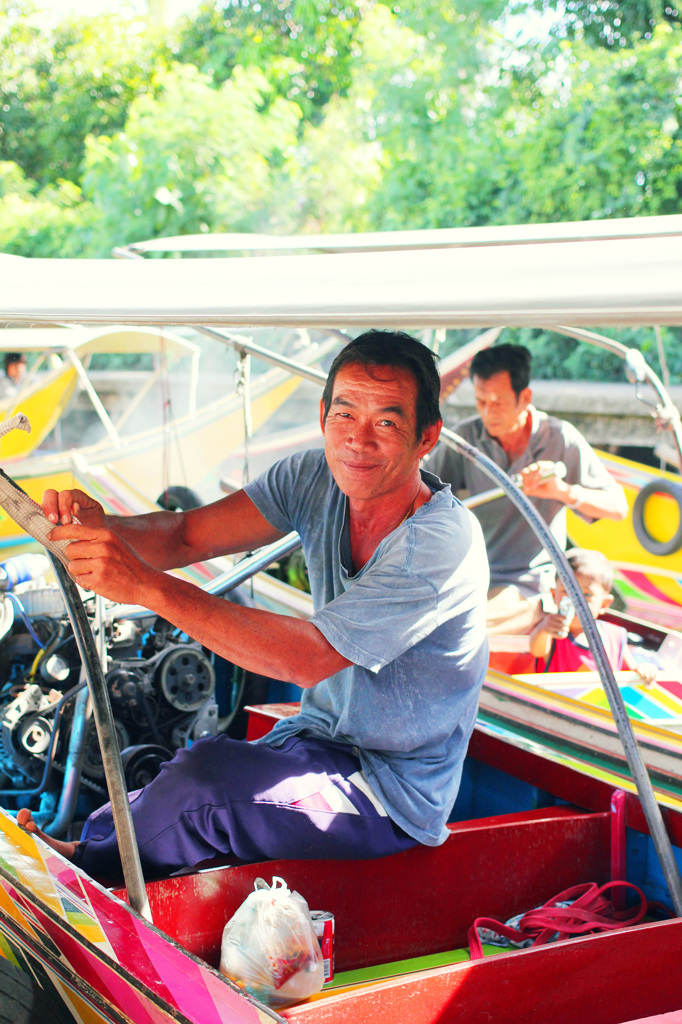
(431, 238)
(597, 282)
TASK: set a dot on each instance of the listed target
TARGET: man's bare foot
(25, 821)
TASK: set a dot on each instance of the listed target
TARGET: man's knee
(202, 763)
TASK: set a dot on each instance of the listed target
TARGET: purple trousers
(225, 797)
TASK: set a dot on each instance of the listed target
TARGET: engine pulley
(142, 763)
(25, 731)
(35, 735)
(93, 767)
(186, 678)
(126, 686)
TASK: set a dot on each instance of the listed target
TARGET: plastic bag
(269, 946)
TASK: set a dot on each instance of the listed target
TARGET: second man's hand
(540, 480)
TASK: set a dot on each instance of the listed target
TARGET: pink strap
(591, 910)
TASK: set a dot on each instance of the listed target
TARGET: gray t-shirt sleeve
(279, 492)
(584, 467)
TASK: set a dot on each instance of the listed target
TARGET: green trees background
(337, 115)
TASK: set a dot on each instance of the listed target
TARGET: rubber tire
(178, 499)
(23, 1001)
(649, 543)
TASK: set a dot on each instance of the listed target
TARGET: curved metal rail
(111, 757)
(639, 371)
(635, 761)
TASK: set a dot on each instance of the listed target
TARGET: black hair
(592, 564)
(393, 348)
(515, 359)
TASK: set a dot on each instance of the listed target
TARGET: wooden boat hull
(144, 464)
(44, 402)
(196, 444)
(44, 396)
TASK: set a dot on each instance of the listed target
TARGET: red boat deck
(413, 903)
(422, 902)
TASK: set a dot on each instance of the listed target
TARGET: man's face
(499, 408)
(16, 370)
(370, 434)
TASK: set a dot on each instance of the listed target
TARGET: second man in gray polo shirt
(521, 439)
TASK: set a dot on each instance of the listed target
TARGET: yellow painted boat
(43, 396)
(181, 452)
(649, 582)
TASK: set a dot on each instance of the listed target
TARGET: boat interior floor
(402, 921)
(423, 900)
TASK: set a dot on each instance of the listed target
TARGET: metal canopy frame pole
(95, 399)
(227, 581)
(247, 345)
(638, 370)
(640, 776)
(252, 564)
(111, 757)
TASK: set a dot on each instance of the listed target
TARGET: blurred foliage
(556, 357)
(342, 115)
(605, 140)
(59, 85)
(49, 222)
(195, 159)
(608, 24)
(305, 47)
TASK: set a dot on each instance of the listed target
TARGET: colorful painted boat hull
(103, 960)
(650, 584)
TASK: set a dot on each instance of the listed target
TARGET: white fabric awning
(428, 238)
(587, 283)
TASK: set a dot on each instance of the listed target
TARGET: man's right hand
(63, 507)
(545, 480)
(555, 624)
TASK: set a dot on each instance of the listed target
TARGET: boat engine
(161, 685)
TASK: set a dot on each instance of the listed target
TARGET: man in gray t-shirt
(523, 440)
(409, 621)
(391, 662)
